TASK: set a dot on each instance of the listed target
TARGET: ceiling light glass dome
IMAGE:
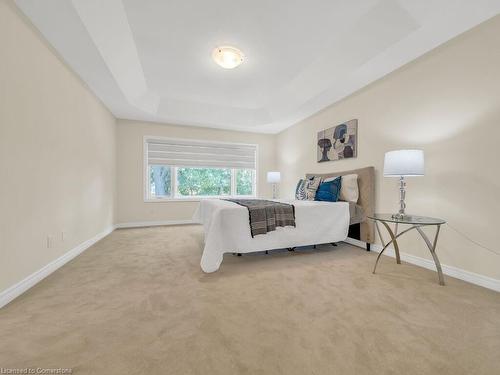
(228, 57)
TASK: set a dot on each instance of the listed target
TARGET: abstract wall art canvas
(338, 142)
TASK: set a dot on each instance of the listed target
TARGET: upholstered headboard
(366, 184)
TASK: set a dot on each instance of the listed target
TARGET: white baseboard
(471, 277)
(17, 289)
(139, 224)
(357, 243)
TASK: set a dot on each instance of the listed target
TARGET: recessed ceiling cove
(152, 60)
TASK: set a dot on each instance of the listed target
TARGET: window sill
(196, 199)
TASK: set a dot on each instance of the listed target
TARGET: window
(183, 169)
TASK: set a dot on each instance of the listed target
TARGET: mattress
(227, 228)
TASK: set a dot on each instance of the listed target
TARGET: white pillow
(349, 191)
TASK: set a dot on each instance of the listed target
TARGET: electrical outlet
(50, 241)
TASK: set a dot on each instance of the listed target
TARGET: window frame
(173, 173)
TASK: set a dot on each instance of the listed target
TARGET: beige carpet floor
(138, 303)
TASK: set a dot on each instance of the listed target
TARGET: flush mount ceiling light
(228, 57)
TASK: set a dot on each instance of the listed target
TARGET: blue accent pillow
(329, 191)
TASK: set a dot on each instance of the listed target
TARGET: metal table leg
(432, 249)
(379, 233)
(393, 240)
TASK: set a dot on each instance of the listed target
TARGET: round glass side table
(415, 222)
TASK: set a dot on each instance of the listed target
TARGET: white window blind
(191, 153)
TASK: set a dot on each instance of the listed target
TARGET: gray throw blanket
(265, 216)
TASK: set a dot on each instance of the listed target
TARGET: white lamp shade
(404, 163)
(273, 177)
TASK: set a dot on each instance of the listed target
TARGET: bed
(226, 223)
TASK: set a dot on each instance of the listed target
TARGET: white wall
(447, 103)
(130, 134)
(57, 154)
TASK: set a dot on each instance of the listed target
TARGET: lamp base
(402, 205)
(401, 216)
(275, 191)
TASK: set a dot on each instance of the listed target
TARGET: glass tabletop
(408, 219)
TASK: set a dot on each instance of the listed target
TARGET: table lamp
(274, 178)
(403, 163)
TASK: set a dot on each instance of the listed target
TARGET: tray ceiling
(151, 60)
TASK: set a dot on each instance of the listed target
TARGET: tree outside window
(159, 180)
(199, 182)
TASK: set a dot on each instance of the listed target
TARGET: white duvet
(227, 228)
